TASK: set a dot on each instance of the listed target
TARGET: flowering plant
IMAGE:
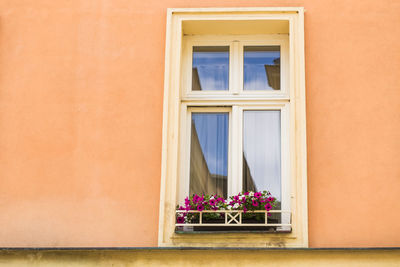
(200, 203)
(246, 201)
(250, 201)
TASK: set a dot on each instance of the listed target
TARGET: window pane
(262, 68)
(209, 154)
(262, 151)
(210, 68)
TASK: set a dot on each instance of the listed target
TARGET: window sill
(233, 231)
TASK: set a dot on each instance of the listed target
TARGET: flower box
(247, 211)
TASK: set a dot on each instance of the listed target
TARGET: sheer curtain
(262, 151)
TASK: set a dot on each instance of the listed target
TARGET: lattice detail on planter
(236, 218)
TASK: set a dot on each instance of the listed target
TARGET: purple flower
(257, 194)
(196, 198)
(180, 220)
(200, 207)
(213, 202)
(236, 198)
(187, 201)
(255, 203)
(268, 206)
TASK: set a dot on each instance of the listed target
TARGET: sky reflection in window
(210, 70)
(209, 153)
(262, 69)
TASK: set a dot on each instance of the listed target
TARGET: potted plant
(248, 202)
(252, 201)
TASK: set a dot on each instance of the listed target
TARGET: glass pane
(210, 68)
(209, 154)
(262, 68)
(262, 152)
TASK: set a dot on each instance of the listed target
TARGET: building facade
(112, 112)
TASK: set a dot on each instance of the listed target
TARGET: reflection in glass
(209, 154)
(262, 152)
(262, 68)
(210, 70)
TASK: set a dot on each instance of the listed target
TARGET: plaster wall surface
(81, 86)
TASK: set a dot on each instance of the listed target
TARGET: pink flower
(255, 203)
(271, 199)
(187, 201)
(220, 199)
(212, 202)
(268, 213)
(196, 198)
(200, 207)
(244, 209)
(236, 198)
(268, 206)
(246, 193)
(257, 194)
(180, 220)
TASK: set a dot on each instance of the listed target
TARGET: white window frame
(177, 99)
(187, 110)
(235, 146)
(236, 45)
(243, 100)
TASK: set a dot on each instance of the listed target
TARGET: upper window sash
(236, 45)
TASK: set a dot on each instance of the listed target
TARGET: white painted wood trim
(171, 120)
(236, 9)
(164, 161)
(236, 138)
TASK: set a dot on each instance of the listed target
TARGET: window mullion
(240, 67)
(236, 166)
(235, 68)
(185, 153)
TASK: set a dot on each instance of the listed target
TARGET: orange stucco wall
(81, 86)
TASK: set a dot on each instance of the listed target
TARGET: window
(234, 117)
(235, 136)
